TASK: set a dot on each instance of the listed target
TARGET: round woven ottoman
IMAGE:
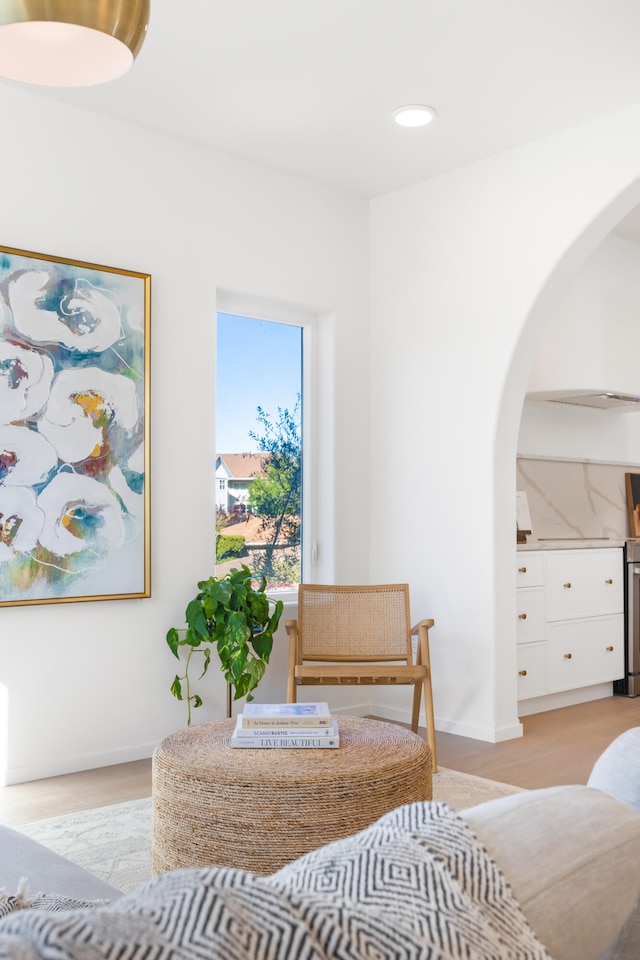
(214, 805)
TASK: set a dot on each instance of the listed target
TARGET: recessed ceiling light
(414, 115)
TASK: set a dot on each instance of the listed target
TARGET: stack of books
(302, 726)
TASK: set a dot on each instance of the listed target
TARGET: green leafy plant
(239, 620)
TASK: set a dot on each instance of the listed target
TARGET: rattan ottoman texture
(260, 809)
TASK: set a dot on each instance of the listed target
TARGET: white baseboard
(474, 732)
(554, 701)
(62, 765)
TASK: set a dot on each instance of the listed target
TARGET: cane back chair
(360, 634)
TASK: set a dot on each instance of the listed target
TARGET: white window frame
(276, 312)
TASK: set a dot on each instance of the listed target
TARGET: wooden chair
(361, 634)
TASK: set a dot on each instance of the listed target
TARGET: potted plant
(237, 618)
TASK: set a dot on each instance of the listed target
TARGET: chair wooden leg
(423, 639)
(431, 729)
(292, 630)
(415, 713)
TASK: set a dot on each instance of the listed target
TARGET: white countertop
(569, 544)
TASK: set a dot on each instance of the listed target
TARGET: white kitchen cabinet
(531, 570)
(570, 619)
(584, 583)
(531, 614)
(581, 652)
(532, 670)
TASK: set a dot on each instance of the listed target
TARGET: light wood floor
(558, 747)
(55, 796)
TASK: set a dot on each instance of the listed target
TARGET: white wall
(466, 272)
(88, 683)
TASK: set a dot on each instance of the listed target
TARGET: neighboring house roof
(244, 466)
(250, 529)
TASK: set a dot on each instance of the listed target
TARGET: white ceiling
(308, 86)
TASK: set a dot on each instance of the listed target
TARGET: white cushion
(572, 856)
(617, 771)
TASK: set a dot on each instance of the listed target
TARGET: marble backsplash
(575, 499)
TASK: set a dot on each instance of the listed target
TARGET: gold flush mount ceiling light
(70, 43)
(414, 115)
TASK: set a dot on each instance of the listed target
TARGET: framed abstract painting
(74, 430)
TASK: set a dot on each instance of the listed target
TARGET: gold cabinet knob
(522, 569)
(522, 673)
(568, 656)
(522, 616)
(608, 581)
(567, 586)
(610, 649)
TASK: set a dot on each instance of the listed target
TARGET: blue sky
(259, 363)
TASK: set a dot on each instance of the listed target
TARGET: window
(259, 443)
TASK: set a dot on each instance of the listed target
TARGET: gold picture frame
(74, 430)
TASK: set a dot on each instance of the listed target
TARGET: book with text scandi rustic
(272, 715)
(252, 732)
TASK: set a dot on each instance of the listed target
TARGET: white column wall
(88, 683)
(466, 271)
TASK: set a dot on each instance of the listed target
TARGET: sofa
(23, 859)
(548, 874)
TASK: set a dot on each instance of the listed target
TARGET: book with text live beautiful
(297, 741)
(252, 732)
(272, 715)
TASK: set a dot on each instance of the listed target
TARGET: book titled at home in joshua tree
(272, 715)
(252, 732)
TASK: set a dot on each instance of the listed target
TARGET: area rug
(114, 842)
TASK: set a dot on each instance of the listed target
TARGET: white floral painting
(74, 451)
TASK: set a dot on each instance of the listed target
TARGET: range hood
(605, 400)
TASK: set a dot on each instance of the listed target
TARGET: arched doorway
(470, 266)
(591, 249)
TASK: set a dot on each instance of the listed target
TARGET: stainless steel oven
(629, 686)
